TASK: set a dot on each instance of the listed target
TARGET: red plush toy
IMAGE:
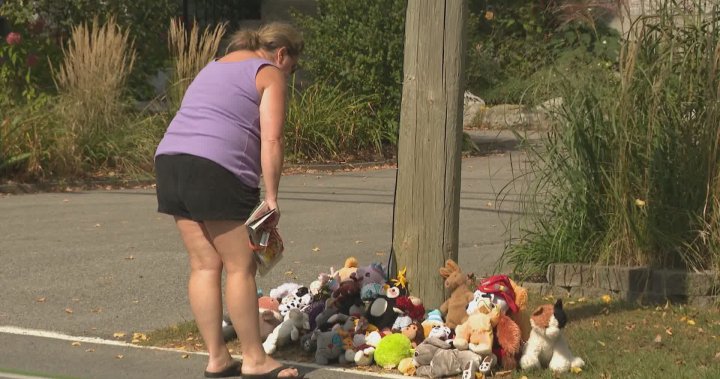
(411, 306)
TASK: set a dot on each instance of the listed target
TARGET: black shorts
(200, 189)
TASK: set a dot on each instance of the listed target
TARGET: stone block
(704, 301)
(570, 275)
(702, 284)
(683, 283)
(622, 279)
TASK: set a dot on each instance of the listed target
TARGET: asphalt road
(91, 263)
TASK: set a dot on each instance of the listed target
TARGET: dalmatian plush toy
(299, 299)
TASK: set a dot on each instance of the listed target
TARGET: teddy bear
(458, 284)
(289, 330)
(547, 345)
(432, 319)
(347, 297)
(372, 273)
(476, 335)
(329, 347)
(349, 268)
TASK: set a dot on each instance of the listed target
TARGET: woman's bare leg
(230, 239)
(204, 290)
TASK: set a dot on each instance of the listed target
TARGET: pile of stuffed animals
(358, 316)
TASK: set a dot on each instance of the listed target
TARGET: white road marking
(99, 341)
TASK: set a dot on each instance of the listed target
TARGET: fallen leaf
(184, 356)
(658, 340)
(691, 322)
(129, 258)
(683, 318)
(289, 273)
(190, 339)
(669, 331)
(75, 343)
(40, 299)
(68, 310)
(701, 330)
(630, 326)
(575, 370)
(119, 335)
(640, 203)
(119, 356)
(358, 242)
(316, 249)
(138, 337)
(97, 225)
(601, 343)
(596, 323)
(90, 350)
(606, 299)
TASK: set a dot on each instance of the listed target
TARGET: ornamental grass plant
(629, 172)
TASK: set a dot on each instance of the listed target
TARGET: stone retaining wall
(630, 284)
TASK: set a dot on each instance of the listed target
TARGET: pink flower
(31, 60)
(13, 38)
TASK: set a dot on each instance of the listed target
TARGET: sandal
(273, 374)
(487, 364)
(233, 369)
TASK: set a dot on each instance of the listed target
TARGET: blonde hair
(269, 37)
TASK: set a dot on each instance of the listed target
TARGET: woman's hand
(272, 204)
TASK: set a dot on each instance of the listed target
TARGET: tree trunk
(428, 189)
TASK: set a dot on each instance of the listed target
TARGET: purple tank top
(219, 119)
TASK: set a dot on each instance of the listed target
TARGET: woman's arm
(272, 85)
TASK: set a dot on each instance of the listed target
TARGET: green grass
(628, 173)
(616, 340)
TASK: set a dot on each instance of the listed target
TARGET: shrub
(46, 24)
(358, 47)
(629, 172)
(515, 45)
(326, 123)
(91, 82)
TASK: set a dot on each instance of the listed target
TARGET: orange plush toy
(459, 286)
(499, 292)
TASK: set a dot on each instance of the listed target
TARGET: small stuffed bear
(329, 347)
(546, 345)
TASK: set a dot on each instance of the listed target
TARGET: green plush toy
(392, 349)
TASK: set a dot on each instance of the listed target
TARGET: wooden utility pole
(427, 206)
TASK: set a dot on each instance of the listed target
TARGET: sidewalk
(98, 262)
